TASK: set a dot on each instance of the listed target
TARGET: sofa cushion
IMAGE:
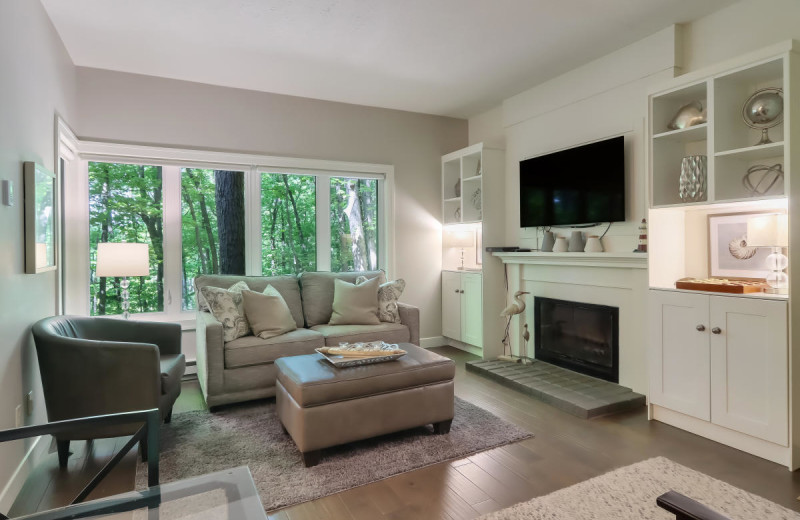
(172, 369)
(227, 307)
(312, 381)
(267, 313)
(388, 332)
(317, 290)
(252, 350)
(286, 285)
(355, 304)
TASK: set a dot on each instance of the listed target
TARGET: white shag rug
(630, 493)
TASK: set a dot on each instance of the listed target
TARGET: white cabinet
(462, 307)
(722, 359)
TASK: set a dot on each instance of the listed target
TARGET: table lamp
(122, 259)
(462, 239)
(772, 231)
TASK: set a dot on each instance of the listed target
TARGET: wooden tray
(722, 285)
(342, 361)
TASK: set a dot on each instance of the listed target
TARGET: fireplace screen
(579, 336)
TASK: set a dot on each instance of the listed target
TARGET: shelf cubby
(451, 173)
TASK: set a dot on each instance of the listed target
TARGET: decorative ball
(764, 107)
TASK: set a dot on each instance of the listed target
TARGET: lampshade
(459, 238)
(768, 230)
(122, 259)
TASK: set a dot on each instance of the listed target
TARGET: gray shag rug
(630, 493)
(250, 435)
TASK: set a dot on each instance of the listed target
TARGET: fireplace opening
(583, 337)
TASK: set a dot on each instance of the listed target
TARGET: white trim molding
(14, 485)
(613, 259)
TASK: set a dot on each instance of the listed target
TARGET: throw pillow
(388, 294)
(355, 304)
(227, 307)
(267, 313)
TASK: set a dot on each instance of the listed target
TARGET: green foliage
(345, 255)
(125, 205)
(288, 224)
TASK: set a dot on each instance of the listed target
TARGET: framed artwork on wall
(729, 256)
(40, 218)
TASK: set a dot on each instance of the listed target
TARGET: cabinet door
(472, 309)
(451, 305)
(750, 366)
(679, 352)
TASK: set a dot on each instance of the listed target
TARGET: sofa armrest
(409, 316)
(210, 354)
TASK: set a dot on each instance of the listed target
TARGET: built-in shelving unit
(721, 365)
(471, 205)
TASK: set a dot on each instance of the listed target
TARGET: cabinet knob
(716, 330)
(456, 291)
(701, 328)
(462, 291)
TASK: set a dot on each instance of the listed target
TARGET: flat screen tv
(581, 185)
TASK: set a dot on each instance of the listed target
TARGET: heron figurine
(516, 307)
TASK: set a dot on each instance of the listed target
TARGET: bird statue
(516, 307)
(526, 336)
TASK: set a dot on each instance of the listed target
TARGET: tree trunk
(353, 212)
(212, 246)
(229, 195)
(197, 238)
(102, 296)
(154, 224)
(296, 214)
(365, 197)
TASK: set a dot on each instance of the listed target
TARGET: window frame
(75, 296)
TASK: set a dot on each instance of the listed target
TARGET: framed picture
(729, 256)
(40, 218)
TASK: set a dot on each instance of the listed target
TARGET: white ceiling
(446, 57)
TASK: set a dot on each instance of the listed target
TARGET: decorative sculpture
(763, 110)
(514, 308)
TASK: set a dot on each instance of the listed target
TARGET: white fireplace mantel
(611, 259)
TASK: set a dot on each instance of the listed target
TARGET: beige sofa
(244, 369)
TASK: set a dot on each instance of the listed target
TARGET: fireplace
(579, 336)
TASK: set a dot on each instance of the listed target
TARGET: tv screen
(581, 185)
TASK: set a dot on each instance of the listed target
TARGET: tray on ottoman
(340, 361)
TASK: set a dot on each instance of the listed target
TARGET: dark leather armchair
(100, 366)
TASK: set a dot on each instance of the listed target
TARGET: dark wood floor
(565, 450)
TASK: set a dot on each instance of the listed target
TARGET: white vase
(561, 245)
(593, 245)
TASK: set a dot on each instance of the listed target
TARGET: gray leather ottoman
(320, 405)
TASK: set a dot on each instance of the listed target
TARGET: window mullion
(173, 267)
(323, 210)
(252, 221)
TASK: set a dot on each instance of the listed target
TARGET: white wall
(148, 110)
(37, 81)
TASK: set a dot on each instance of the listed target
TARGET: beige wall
(148, 110)
(37, 81)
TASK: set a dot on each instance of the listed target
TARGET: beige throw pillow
(226, 306)
(388, 295)
(267, 313)
(355, 304)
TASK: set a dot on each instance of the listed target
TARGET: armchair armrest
(210, 355)
(409, 316)
(86, 377)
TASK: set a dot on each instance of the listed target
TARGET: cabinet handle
(701, 328)
(716, 330)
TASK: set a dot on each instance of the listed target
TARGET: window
(354, 224)
(288, 223)
(125, 205)
(212, 226)
(215, 213)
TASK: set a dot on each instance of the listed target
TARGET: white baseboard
(23, 471)
(435, 341)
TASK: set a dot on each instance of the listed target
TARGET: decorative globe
(764, 107)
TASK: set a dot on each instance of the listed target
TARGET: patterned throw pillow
(228, 308)
(388, 294)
